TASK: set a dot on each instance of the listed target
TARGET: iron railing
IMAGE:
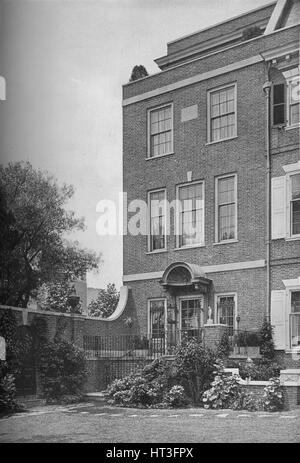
(241, 341)
(136, 346)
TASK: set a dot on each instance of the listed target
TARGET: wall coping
(215, 325)
(117, 313)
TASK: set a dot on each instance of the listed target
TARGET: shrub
(135, 390)
(273, 399)
(227, 392)
(251, 32)
(152, 387)
(195, 367)
(225, 389)
(267, 348)
(176, 397)
(8, 401)
(62, 369)
(259, 370)
(246, 401)
(223, 349)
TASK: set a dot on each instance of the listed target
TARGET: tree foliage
(106, 302)
(138, 72)
(55, 297)
(33, 228)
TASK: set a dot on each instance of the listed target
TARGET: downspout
(267, 89)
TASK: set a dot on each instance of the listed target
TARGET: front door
(190, 316)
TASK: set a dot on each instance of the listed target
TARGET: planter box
(252, 351)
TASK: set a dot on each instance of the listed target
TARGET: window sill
(182, 248)
(160, 156)
(293, 238)
(291, 127)
(293, 350)
(225, 242)
(159, 251)
(220, 141)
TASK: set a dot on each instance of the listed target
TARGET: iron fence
(244, 342)
(136, 346)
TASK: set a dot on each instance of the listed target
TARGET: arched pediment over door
(183, 275)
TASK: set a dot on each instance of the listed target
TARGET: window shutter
(278, 318)
(279, 104)
(278, 207)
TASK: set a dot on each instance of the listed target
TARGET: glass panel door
(191, 316)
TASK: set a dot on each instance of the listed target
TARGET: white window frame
(290, 169)
(288, 115)
(178, 225)
(149, 111)
(295, 348)
(217, 316)
(149, 221)
(153, 299)
(290, 286)
(209, 92)
(231, 240)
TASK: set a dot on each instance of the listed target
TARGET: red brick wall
(244, 155)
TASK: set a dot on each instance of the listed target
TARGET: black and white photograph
(149, 224)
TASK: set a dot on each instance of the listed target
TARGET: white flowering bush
(176, 397)
(273, 399)
(225, 390)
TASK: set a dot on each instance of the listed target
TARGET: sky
(64, 62)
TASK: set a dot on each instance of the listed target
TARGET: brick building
(218, 130)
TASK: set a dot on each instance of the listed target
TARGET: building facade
(217, 131)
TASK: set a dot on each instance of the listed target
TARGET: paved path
(90, 422)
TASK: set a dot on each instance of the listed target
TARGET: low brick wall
(291, 392)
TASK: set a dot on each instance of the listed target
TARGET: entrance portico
(187, 289)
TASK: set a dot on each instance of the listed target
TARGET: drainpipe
(267, 89)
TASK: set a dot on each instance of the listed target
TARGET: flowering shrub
(273, 399)
(225, 389)
(259, 370)
(176, 397)
(152, 387)
(246, 401)
(227, 392)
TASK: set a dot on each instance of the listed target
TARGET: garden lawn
(95, 423)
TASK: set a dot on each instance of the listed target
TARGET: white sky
(65, 62)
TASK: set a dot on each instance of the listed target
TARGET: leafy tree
(55, 297)
(34, 224)
(106, 302)
(138, 72)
